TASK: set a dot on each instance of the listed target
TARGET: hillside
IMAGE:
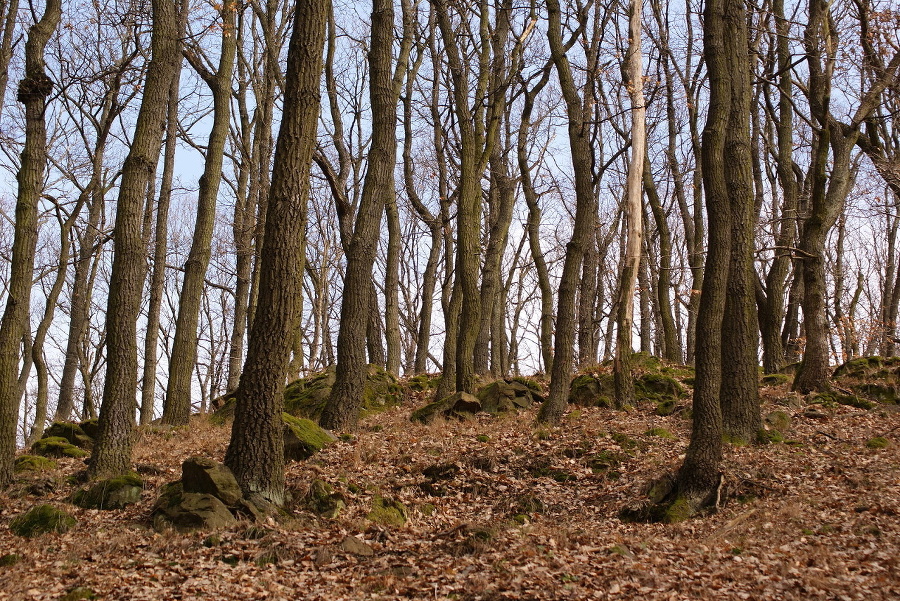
(499, 508)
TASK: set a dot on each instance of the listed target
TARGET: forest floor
(527, 512)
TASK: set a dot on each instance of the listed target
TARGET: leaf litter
(497, 508)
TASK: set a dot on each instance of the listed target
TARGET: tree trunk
(585, 206)
(115, 439)
(342, 410)
(177, 405)
(256, 450)
(33, 91)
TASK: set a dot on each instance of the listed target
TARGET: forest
(458, 299)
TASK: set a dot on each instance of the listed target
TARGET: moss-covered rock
(879, 442)
(303, 438)
(460, 405)
(34, 463)
(57, 446)
(660, 433)
(657, 387)
(183, 511)
(321, 499)
(72, 432)
(778, 420)
(592, 390)
(876, 379)
(79, 593)
(307, 396)
(769, 436)
(41, 519)
(387, 511)
(202, 475)
(422, 382)
(775, 379)
(113, 493)
(10, 559)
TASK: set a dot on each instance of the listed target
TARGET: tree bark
(33, 91)
(177, 405)
(115, 438)
(256, 450)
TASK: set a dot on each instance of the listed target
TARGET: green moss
(660, 432)
(426, 509)
(34, 463)
(113, 493)
(879, 442)
(387, 511)
(775, 379)
(764, 436)
(322, 499)
(10, 559)
(41, 519)
(57, 446)
(483, 438)
(74, 433)
(303, 438)
(423, 382)
(78, 594)
(679, 511)
(734, 440)
(666, 407)
(624, 441)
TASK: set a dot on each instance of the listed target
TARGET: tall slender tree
(34, 88)
(256, 450)
(115, 437)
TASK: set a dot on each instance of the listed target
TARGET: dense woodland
(206, 201)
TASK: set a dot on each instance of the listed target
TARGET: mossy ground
(41, 520)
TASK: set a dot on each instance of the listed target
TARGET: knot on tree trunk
(34, 87)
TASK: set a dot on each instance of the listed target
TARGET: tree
(342, 410)
(177, 406)
(115, 437)
(256, 450)
(832, 175)
(624, 384)
(33, 91)
(585, 209)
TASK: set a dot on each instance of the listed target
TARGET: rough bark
(33, 91)
(177, 404)
(115, 439)
(256, 450)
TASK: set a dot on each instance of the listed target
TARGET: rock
(57, 446)
(303, 438)
(387, 511)
(307, 396)
(113, 493)
(185, 511)
(589, 390)
(775, 379)
(876, 379)
(459, 405)
(322, 499)
(202, 475)
(74, 433)
(33, 463)
(442, 471)
(355, 546)
(422, 382)
(657, 387)
(778, 420)
(78, 594)
(41, 519)
(497, 397)
(813, 413)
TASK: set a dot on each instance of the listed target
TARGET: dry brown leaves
(526, 513)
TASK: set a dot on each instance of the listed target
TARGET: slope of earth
(499, 508)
